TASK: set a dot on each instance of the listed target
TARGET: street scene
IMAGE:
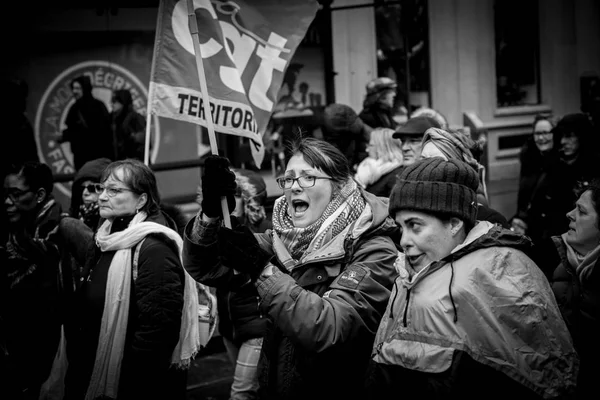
(324, 199)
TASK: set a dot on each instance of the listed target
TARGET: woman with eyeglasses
(323, 273)
(537, 155)
(138, 309)
(85, 191)
(30, 296)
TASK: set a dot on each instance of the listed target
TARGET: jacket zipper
(406, 307)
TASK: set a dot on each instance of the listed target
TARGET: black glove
(240, 250)
(218, 181)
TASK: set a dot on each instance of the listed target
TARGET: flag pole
(193, 25)
(148, 128)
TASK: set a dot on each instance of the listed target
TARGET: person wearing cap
(378, 106)
(411, 134)
(343, 128)
(471, 314)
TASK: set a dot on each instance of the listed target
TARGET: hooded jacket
(322, 317)
(88, 127)
(481, 320)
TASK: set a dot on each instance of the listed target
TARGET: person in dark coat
(88, 125)
(555, 194)
(323, 273)
(18, 144)
(346, 131)
(128, 126)
(31, 295)
(377, 173)
(537, 155)
(378, 105)
(136, 255)
(85, 191)
(571, 262)
(241, 323)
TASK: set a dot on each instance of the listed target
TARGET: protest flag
(245, 48)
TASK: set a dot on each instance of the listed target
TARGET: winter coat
(383, 187)
(555, 195)
(32, 299)
(129, 128)
(88, 128)
(152, 328)
(323, 315)
(579, 304)
(378, 115)
(482, 320)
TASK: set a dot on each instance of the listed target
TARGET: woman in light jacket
(471, 315)
(323, 274)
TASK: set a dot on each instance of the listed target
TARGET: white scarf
(583, 265)
(371, 170)
(109, 354)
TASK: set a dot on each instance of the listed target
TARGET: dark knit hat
(340, 118)
(578, 124)
(438, 186)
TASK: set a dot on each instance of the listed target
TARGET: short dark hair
(324, 156)
(37, 175)
(139, 178)
(592, 185)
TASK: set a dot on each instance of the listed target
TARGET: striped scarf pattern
(343, 209)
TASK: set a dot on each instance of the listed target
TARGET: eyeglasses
(542, 133)
(15, 195)
(113, 191)
(94, 188)
(304, 181)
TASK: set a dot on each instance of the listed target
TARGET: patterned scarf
(343, 209)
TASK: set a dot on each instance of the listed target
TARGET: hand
(218, 181)
(518, 226)
(240, 250)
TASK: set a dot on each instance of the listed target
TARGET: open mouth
(414, 260)
(299, 207)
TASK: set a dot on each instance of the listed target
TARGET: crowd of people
(382, 270)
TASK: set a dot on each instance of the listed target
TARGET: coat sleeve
(156, 316)
(353, 306)
(202, 259)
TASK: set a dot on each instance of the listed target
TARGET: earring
(137, 210)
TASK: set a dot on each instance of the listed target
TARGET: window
(517, 52)
(403, 50)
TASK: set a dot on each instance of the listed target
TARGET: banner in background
(246, 48)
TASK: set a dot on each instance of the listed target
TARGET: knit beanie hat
(439, 186)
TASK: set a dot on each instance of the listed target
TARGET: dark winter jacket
(378, 115)
(481, 320)
(152, 328)
(579, 303)
(129, 128)
(555, 195)
(32, 299)
(383, 187)
(323, 316)
(88, 128)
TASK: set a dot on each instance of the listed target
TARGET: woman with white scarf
(377, 173)
(572, 263)
(323, 273)
(138, 309)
